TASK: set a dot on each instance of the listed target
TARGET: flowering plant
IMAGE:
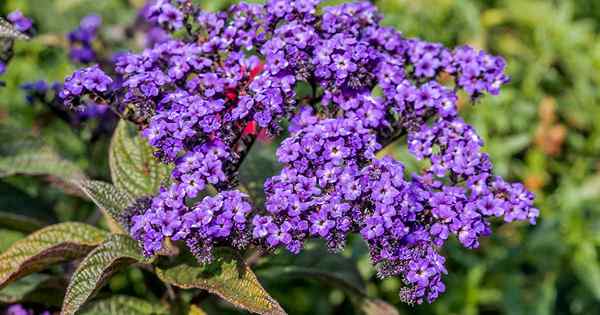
(334, 88)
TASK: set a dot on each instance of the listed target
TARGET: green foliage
(36, 288)
(123, 305)
(48, 246)
(116, 252)
(543, 130)
(228, 277)
(107, 197)
(133, 167)
(28, 156)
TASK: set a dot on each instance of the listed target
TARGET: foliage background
(544, 130)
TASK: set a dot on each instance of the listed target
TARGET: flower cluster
(165, 14)
(477, 71)
(81, 39)
(214, 221)
(89, 82)
(204, 95)
(318, 190)
(152, 34)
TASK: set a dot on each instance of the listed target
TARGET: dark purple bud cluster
(47, 95)
(82, 38)
(205, 95)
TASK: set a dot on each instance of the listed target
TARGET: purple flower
(347, 87)
(21, 23)
(165, 13)
(18, 309)
(81, 39)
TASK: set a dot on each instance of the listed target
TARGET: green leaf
(47, 246)
(133, 167)
(259, 165)
(8, 237)
(44, 161)
(587, 267)
(19, 222)
(97, 267)
(36, 288)
(123, 305)
(108, 198)
(228, 277)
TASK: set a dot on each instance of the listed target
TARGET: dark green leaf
(47, 246)
(332, 270)
(36, 288)
(21, 212)
(8, 237)
(259, 165)
(97, 267)
(133, 167)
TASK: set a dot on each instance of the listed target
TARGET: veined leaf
(41, 162)
(227, 277)
(7, 30)
(124, 305)
(97, 267)
(37, 288)
(133, 167)
(108, 198)
(47, 246)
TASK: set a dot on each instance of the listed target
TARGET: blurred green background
(543, 130)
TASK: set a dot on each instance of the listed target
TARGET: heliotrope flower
(21, 22)
(207, 95)
(81, 39)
